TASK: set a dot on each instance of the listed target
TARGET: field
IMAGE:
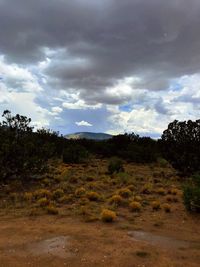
(80, 215)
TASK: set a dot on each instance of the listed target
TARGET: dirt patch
(57, 246)
(162, 241)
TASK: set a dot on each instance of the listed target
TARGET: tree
(181, 142)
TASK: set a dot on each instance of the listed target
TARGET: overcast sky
(110, 66)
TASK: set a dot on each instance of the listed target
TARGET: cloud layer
(131, 65)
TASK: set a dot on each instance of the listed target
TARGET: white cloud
(83, 123)
(56, 110)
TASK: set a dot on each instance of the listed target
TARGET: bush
(115, 165)
(125, 192)
(108, 215)
(43, 202)
(166, 207)
(191, 194)
(161, 191)
(40, 193)
(80, 192)
(52, 210)
(155, 205)
(58, 193)
(75, 154)
(116, 199)
(93, 196)
(135, 206)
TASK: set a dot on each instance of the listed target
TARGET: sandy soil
(65, 241)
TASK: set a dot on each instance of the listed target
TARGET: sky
(101, 65)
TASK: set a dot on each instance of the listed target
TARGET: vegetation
(26, 154)
(191, 194)
(108, 215)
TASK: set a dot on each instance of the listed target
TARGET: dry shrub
(169, 198)
(155, 205)
(131, 187)
(116, 200)
(58, 193)
(93, 196)
(125, 192)
(146, 189)
(52, 210)
(166, 207)
(135, 206)
(108, 215)
(138, 198)
(40, 193)
(43, 202)
(161, 191)
(28, 196)
(80, 191)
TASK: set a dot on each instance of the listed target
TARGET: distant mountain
(89, 135)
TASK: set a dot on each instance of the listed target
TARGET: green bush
(75, 154)
(191, 194)
(115, 165)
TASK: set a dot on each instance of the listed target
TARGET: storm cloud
(107, 52)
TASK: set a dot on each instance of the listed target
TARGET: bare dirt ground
(63, 241)
(77, 237)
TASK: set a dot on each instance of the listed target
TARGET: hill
(89, 135)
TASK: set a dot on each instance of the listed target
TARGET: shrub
(58, 193)
(174, 191)
(80, 191)
(162, 162)
(75, 153)
(138, 198)
(108, 215)
(52, 210)
(125, 192)
(155, 205)
(116, 199)
(13, 197)
(40, 193)
(93, 196)
(64, 199)
(28, 196)
(191, 194)
(135, 206)
(169, 198)
(146, 189)
(166, 207)
(115, 165)
(131, 187)
(161, 191)
(43, 202)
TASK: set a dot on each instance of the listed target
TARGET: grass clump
(116, 200)
(138, 198)
(43, 202)
(146, 189)
(93, 196)
(135, 206)
(108, 215)
(52, 210)
(80, 192)
(28, 196)
(115, 165)
(58, 193)
(40, 193)
(166, 207)
(125, 192)
(161, 191)
(155, 205)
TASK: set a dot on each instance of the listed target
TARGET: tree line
(25, 152)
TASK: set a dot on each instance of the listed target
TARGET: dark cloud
(100, 42)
